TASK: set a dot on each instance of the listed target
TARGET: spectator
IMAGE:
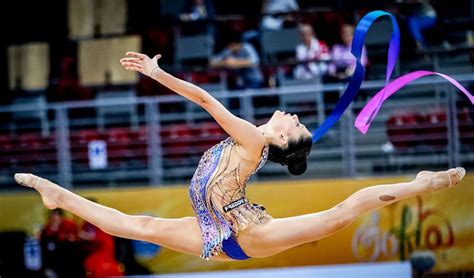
(60, 248)
(100, 260)
(242, 58)
(199, 14)
(274, 18)
(198, 10)
(312, 53)
(343, 63)
(125, 253)
(421, 16)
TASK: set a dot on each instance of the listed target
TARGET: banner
(440, 223)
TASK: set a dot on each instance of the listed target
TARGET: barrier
(440, 223)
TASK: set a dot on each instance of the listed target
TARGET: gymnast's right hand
(140, 62)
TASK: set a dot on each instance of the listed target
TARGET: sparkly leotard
(217, 193)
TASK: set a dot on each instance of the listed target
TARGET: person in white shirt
(312, 53)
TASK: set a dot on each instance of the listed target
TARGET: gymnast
(226, 225)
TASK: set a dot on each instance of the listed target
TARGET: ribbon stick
(366, 115)
(359, 73)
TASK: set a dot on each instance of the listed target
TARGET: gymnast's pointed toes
(22, 179)
(461, 172)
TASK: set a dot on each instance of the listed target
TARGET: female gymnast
(226, 226)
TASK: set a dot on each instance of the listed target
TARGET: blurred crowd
(75, 249)
(236, 36)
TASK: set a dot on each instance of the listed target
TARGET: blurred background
(70, 113)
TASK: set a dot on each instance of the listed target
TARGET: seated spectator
(198, 13)
(313, 53)
(241, 58)
(273, 9)
(126, 252)
(421, 16)
(198, 10)
(343, 63)
(60, 248)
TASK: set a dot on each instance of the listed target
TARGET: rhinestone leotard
(217, 193)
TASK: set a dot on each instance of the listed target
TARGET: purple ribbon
(366, 115)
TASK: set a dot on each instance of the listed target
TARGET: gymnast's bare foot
(442, 179)
(47, 189)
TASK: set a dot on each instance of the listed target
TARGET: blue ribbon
(356, 80)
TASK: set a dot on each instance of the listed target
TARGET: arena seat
(401, 130)
(176, 141)
(208, 134)
(278, 42)
(466, 127)
(6, 150)
(408, 130)
(197, 47)
(128, 110)
(28, 152)
(79, 140)
(138, 144)
(433, 129)
(118, 146)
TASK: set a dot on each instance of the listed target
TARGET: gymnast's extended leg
(281, 234)
(182, 235)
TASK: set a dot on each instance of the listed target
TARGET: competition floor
(366, 270)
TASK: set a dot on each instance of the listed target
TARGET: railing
(428, 125)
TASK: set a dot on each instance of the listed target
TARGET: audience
(313, 54)
(60, 247)
(198, 10)
(100, 260)
(274, 10)
(314, 60)
(242, 59)
(421, 16)
(68, 251)
(343, 63)
(198, 14)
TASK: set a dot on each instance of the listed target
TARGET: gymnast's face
(287, 127)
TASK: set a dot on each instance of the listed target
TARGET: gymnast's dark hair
(293, 156)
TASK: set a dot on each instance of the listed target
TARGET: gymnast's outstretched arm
(245, 133)
(182, 235)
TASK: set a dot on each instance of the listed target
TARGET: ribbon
(366, 115)
(371, 109)
(359, 73)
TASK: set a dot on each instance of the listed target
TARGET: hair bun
(298, 168)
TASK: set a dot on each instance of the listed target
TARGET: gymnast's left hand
(140, 62)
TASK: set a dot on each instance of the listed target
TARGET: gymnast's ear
(282, 139)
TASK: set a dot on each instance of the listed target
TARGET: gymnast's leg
(182, 235)
(278, 235)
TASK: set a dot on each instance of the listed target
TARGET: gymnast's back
(217, 193)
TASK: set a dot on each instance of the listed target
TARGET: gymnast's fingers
(136, 55)
(134, 68)
(133, 60)
(130, 64)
